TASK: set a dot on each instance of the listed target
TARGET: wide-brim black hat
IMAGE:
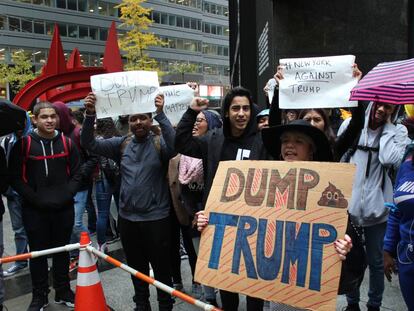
(271, 139)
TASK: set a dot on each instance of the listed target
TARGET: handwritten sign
(177, 99)
(319, 82)
(271, 230)
(123, 93)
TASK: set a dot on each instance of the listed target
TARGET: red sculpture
(71, 77)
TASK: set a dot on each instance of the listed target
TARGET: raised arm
(167, 130)
(111, 147)
(185, 143)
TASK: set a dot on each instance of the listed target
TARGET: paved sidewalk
(119, 291)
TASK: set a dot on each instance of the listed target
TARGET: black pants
(176, 228)
(230, 302)
(146, 242)
(48, 229)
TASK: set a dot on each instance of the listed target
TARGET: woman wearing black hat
(296, 141)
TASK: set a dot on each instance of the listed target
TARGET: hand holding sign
(89, 103)
(159, 103)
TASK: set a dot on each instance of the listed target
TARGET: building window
(72, 5)
(83, 5)
(39, 57)
(62, 30)
(103, 34)
(172, 20)
(93, 33)
(61, 4)
(92, 6)
(39, 27)
(83, 32)
(14, 24)
(2, 22)
(103, 8)
(156, 17)
(73, 31)
(113, 11)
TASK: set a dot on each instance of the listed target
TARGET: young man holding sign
(144, 201)
(237, 140)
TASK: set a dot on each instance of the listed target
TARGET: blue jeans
(103, 194)
(374, 240)
(80, 205)
(14, 203)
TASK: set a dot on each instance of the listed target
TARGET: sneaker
(178, 286)
(196, 291)
(13, 270)
(65, 297)
(39, 301)
(73, 264)
(371, 308)
(352, 307)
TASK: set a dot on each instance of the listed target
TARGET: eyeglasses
(199, 120)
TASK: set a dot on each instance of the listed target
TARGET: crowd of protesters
(65, 163)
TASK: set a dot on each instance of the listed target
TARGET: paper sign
(319, 82)
(177, 99)
(123, 93)
(271, 230)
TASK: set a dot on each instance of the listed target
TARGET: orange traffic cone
(89, 292)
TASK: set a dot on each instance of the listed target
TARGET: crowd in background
(67, 164)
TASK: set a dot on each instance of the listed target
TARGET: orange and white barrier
(88, 283)
(46, 252)
(149, 280)
(89, 289)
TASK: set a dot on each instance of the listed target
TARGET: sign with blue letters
(271, 230)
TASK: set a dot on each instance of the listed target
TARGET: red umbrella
(390, 82)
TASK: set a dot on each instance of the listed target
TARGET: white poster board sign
(318, 82)
(177, 99)
(123, 93)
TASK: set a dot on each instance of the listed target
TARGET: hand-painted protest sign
(123, 93)
(319, 82)
(177, 99)
(271, 230)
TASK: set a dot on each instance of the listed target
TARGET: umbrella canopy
(12, 117)
(390, 82)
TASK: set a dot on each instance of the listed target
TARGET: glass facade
(89, 6)
(14, 23)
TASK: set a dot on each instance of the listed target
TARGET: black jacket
(50, 183)
(4, 179)
(209, 148)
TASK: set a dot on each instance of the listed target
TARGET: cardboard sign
(123, 93)
(319, 82)
(271, 230)
(177, 99)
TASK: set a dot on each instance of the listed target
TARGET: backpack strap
(26, 143)
(66, 151)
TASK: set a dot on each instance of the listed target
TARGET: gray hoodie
(373, 188)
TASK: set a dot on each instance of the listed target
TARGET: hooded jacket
(144, 194)
(218, 143)
(372, 186)
(50, 183)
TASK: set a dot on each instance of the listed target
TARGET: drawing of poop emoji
(333, 197)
